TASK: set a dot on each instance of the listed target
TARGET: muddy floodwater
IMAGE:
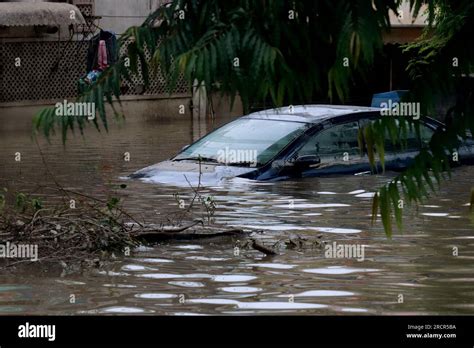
(413, 273)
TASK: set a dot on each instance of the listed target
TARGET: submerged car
(290, 142)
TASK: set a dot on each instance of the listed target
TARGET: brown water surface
(418, 264)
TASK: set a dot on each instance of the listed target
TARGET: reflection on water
(189, 278)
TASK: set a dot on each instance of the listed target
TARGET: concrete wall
(18, 116)
(118, 15)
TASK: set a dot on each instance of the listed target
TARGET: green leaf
(471, 205)
(375, 207)
(395, 198)
(369, 142)
(385, 212)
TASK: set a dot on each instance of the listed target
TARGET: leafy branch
(284, 51)
(435, 76)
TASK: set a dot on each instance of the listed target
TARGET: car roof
(309, 113)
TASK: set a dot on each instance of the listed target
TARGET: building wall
(118, 15)
(51, 64)
(17, 116)
(50, 70)
(405, 17)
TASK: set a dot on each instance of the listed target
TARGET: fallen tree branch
(262, 248)
(156, 236)
(168, 229)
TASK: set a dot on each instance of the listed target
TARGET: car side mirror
(308, 161)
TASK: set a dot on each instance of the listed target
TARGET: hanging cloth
(93, 51)
(102, 55)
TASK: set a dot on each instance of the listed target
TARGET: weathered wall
(50, 69)
(118, 15)
(16, 116)
(40, 70)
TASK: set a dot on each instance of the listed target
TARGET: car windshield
(244, 142)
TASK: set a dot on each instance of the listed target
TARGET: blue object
(92, 76)
(380, 98)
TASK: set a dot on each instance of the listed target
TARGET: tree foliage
(440, 68)
(283, 50)
(290, 51)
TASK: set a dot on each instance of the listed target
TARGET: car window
(412, 141)
(333, 143)
(245, 140)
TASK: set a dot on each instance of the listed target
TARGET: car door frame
(281, 167)
(392, 162)
(357, 165)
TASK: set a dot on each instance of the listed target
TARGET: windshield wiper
(242, 164)
(202, 159)
(213, 160)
